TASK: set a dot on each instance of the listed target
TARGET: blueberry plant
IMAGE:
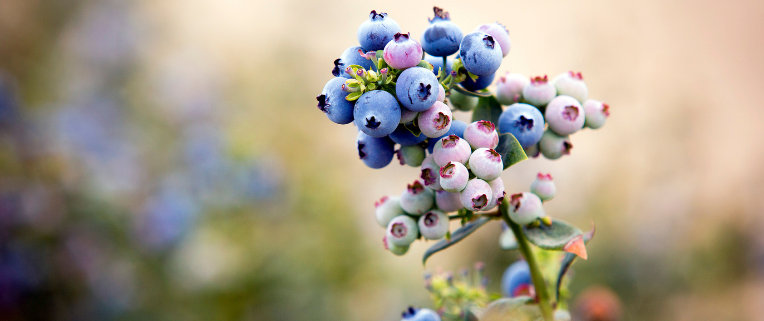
(400, 94)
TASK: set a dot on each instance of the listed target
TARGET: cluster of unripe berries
(460, 173)
(561, 103)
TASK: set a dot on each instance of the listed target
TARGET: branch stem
(538, 280)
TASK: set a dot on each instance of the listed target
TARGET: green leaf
(553, 237)
(488, 108)
(517, 308)
(354, 96)
(567, 261)
(457, 236)
(413, 127)
(425, 64)
(510, 149)
(473, 76)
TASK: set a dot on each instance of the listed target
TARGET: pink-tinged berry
(481, 134)
(509, 88)
(539, 92)
(402, 52)
(387, 208)
(442, 94)
(596, 113)
(454, 177)
(433, 225)
(571, 84)
(486, 164)
(497, 187)
(499, 33)
(402, 231)
(395, 249)
(532, 151)
(448, 202)
(565, 115)
(436, 121)
(477, 195)
(451, 149)
(430, 174)
(417, 198)
(544, 187)
(524, 208)
(553, 146)
(407, 115)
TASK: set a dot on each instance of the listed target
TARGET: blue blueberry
(350, 56)
(404, 137)
(375, 152)
(437, 63)
(516, 279)
(375, 33)
(333, 103)
(457, 128)
(412, 314)
(377, 113)
(480, 54)
(417, 88)
(481, 83)
(442, 37)
(523, 121)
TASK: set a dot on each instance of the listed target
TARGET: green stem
(538, 279)
(443, 73)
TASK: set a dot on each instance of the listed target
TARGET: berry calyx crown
(440, 14)
(538, 80)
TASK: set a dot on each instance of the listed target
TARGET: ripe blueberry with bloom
(377, 113)
(523, 121)
(351, 56)
(417, 89)
(564, 115)
(454, 177)
(437, 64)
(375, 33)
(420, 315)
(481, 83)
(402, 52)
(333, 103)
(516, 280)
(539, 91)
(442, 37)
(499, 33)
(480, 53)
(509, 88)
(375, 152)
(405, 137)
(417, 199)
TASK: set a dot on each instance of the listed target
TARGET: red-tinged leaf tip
(576, 246)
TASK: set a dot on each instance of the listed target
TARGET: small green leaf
(510, 149)
(413, 128)
(372, 86)
(488, 108)
(354, 96)
(567, 261)
(473, 76)
(457, 236)
(425, 64)
(352, 83)
(517, 308)
(552, 237)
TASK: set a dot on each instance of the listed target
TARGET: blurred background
(164, 160)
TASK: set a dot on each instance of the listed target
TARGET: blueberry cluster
(562, 104)
(395, 90)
